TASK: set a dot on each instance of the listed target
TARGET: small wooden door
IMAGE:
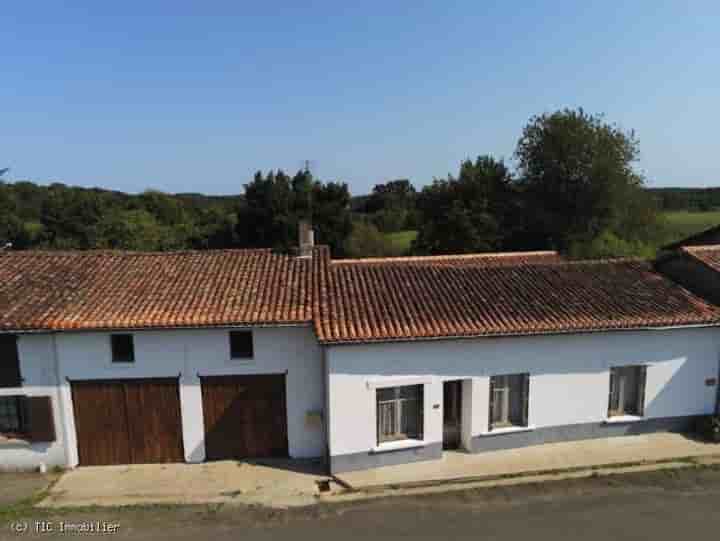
(245, 417)
(452, 404)
(127, 421)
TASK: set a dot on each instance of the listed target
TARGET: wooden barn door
(128, 421)
(245, 417)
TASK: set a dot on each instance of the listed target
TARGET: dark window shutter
(491, 404)
(526, 399)
(9, 362)
(642, 377)
(40, 424)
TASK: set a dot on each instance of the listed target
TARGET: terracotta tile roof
(424, 298)
(709, 255)
(102, 290)
(484, 259)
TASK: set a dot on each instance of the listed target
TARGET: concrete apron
(551, 460)
(284, 483)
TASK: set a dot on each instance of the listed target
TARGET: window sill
(241, 361)
(623, 419)
(13, 442)
(398, 445)
(508, 430)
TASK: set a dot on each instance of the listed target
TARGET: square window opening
(241, 345)
(399, 413)
(123, 348)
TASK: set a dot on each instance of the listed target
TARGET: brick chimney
(306, 236)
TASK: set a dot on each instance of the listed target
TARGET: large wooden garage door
(127, 421)
(245, 417)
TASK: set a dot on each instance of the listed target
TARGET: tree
(274, 204)
(392, 205)
(366, 241)
(70, 217)
(468, 213)
(331, 215)
(264, 220)
(578, 180)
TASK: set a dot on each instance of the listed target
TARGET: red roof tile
(709, 255)
(465, 296)
(102, 290)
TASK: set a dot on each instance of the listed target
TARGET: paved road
(658, 506)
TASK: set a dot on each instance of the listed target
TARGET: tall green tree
(578, 178)
(274, 204)
(468, 213)
(392, 205)
(331, 215)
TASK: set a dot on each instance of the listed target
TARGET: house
(158, 357)
(696, 267)
(119, 358)
(428, 354)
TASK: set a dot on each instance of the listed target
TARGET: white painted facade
(569, 379)
(188, 353)
(39, 371)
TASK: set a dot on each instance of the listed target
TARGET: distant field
(682, 224)
(401, 241)
(678, 225)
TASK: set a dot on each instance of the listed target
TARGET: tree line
(575, 187)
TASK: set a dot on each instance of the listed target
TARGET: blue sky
(196, 96)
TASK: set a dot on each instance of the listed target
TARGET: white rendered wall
(569, 380)
(206, 352)
(37, 368)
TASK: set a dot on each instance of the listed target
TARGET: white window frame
(500, 385)
(617, 384)
(401, 438)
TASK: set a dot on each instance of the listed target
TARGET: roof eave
(365, 341)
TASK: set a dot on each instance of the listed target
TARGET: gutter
(512, 334)
(160, 328)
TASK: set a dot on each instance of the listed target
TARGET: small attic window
(123, 348)
(241, 345)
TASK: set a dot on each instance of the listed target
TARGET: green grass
(401, 241)
(678, 225)
(682, 224)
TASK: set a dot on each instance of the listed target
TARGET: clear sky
(196, 96)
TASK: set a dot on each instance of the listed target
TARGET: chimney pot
(306, 237)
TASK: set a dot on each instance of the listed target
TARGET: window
(627, 391)
(9, 362)
(509, 400)
(241, 345)
(123, 348)
(400, 413)
(12, 415)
